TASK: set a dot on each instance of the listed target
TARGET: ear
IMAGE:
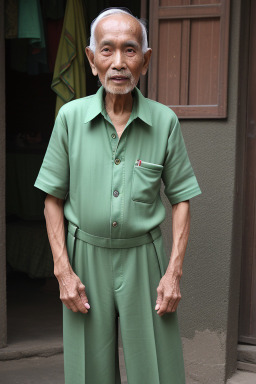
(147, 56)
(90, 57)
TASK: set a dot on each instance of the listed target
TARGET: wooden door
(247, 317)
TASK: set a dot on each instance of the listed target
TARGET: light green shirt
(107, 191)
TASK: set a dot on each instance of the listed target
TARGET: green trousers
(121, 283)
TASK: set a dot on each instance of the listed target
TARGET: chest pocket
(146, 181)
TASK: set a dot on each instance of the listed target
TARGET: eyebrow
(128, 43)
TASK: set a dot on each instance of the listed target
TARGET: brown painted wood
(187, 11)
(169, 64)
(204, 62)
(247, 317)
(184, 72)
(170, 3)
(190, 56)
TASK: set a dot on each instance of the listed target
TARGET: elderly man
(102, 171)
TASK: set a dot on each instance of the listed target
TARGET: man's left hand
(168, 294)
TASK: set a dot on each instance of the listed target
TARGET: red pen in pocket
(138, 163)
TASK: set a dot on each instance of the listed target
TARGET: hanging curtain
(69, 73)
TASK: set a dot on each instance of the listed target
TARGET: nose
(118, 62)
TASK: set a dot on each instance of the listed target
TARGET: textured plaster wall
(3, 333)
(204, 311)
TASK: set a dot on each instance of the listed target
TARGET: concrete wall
(3, 332)
(210, 282)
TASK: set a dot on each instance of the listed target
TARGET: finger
(84, 300)
(65, 302)
(71, 306)
(79, 304)
(159, 299)
(72, 302)
(175, 305)
(81, 291)
(163, 306)
(68, 307)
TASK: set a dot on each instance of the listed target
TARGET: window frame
(186, 13)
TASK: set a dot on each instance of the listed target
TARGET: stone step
(246, 353)
(241, 377)
(249, 367)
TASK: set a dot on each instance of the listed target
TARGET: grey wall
(208, 283)
(3, 335)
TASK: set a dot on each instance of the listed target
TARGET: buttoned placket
(118, 146)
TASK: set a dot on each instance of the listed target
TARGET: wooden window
(189, 64)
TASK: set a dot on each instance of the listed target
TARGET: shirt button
(113, 136)
(116, 193)
(117, 161)
(114, 224)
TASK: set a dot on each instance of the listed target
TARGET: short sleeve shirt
(111, 186)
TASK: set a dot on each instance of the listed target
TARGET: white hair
(112, 11)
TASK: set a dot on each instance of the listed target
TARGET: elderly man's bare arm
(168, 291)
(72, 291)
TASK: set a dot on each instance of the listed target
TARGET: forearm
(72, 290)
(54, 217)
(180, 230)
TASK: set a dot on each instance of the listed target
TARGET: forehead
(118, 26)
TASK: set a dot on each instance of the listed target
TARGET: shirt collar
(96, 105)
(140, 106)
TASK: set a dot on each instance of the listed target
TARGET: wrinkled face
(118, 59)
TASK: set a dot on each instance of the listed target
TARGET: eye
(106, 51)
(130, 51)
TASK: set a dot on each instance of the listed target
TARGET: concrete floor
(34, 370)
(241, 377)
(39, 370)
(45, 370)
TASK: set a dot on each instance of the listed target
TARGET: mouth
(119, 79)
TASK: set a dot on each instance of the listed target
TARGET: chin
(119, 90)
(123, 90)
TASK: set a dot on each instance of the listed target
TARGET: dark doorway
(34, 310)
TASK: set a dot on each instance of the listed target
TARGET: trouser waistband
(107, 242)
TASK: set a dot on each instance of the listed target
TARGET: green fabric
(121, 282)
(69, 73)
(79, 165)
(106, 242)
(31, 23)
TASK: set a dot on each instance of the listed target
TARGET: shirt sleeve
(53, 177)
(178, 175)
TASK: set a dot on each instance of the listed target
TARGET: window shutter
(188, 71)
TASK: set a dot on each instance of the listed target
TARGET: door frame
(3, 311)
(247, 312)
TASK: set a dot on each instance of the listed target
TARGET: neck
(118, 104)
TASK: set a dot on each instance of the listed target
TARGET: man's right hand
(72, 291)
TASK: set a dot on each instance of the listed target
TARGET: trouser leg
(152, 344)
(90, 340)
